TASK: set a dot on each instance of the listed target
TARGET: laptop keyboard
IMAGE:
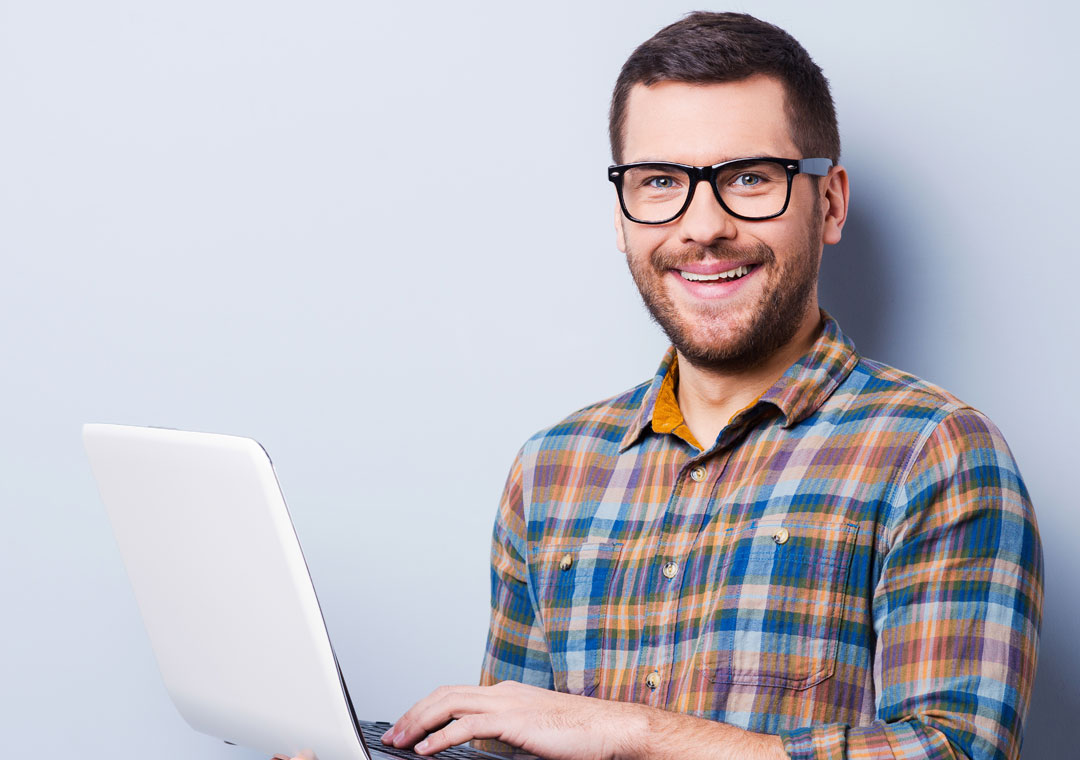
(373, 736)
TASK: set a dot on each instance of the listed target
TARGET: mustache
(758, 253)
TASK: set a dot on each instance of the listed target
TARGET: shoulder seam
(928, 431)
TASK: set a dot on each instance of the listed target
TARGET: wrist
(773, 747)
(651, 726)
(663, 735)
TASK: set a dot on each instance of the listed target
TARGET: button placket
(688, 508)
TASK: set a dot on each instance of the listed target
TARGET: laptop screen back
(223, 588)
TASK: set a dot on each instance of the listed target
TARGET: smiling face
(729, 293)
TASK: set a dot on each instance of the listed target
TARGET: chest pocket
(572, 583)
(782, 591)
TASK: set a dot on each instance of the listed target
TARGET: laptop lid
(223, 588)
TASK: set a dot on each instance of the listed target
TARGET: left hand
(550, 724)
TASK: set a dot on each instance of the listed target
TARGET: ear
(620, 235)
(834, 204)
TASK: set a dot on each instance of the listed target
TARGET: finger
(392, 733)
(406, 724)
(434, 696)
(474, 726)
(453, 705)
(429, 716)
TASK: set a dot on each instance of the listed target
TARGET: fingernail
(385, 735)
(422, 746)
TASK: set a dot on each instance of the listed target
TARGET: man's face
(737, 322)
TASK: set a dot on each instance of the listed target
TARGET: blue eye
(661, 183)
(748, 180)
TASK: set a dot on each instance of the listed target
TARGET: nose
(705, 221)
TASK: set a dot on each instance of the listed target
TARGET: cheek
(640, 241)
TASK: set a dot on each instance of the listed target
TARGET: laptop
(225, 594)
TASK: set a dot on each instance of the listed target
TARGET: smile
(731, 274)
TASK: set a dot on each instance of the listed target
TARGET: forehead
(703, 124)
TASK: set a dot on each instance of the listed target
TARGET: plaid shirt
(853, 565)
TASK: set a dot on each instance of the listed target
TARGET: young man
(775, 547)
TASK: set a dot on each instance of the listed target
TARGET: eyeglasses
(652, 192)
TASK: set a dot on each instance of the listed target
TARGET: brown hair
(710, 48)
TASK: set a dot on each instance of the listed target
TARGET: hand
(546, 723)
(568, 727)
(306, 754)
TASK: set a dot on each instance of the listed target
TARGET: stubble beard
(769, 325)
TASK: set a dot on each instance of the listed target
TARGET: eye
(746, 179)
(660, 182)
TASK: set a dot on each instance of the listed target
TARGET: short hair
(711, 48)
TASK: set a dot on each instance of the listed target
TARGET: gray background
(331, 226)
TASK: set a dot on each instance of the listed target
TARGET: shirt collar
(799, 392)
(643, 418)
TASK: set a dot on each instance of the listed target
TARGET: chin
(722, 336)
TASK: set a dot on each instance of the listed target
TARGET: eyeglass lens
(657, 192)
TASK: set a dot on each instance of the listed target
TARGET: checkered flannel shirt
(854, 565)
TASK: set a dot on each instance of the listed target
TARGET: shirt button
(566, 562)
(652, 680)
(671, 569)
(698, 473)
(780, 536)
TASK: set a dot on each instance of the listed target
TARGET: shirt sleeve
(957, 608)
(516, 647)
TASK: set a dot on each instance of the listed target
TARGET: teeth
(728, 275)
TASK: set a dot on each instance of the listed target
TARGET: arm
(559, 726)
(956, 609)
(516, 649)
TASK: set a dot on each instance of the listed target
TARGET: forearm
(673, 736)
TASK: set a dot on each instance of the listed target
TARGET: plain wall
(378, 238)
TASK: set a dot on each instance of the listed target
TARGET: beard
(722, 337)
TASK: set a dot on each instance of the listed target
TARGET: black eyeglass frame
(818, 167)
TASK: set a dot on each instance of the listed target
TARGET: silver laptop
(225, 593)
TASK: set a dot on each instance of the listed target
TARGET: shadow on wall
(1056, 702)
(857, 287)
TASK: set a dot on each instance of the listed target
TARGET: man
(775, 548)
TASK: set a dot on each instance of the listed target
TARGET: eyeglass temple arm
(816, 166)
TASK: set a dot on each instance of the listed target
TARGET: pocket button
(780, 536)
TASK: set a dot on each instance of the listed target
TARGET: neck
(709, 398)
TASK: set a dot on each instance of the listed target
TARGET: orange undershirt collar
(667, 417)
